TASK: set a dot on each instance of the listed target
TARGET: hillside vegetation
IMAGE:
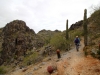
(93, 47)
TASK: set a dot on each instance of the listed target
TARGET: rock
(50, 69)
(40, 66)
(97, 70)
(64, 66)
(28, 73)
(57, 60)
(24, 69)
(76, 25)
(43, 63)
(48, 59)
(36, 68)
(1, 61)
(69, 58)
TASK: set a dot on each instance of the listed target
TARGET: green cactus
(85, 27)
(67, 37)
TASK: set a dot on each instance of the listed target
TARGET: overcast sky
(45, 14)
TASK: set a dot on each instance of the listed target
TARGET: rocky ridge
(76, 25)
(17, 39)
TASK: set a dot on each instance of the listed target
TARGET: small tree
(85, 27)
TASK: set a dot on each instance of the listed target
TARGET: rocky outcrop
(76, 25)
(17, 39)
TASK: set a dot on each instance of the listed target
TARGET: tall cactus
(85, 27)
(67, 37)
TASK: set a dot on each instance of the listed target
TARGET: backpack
(77, 40)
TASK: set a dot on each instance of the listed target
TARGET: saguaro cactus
(85, 27)
(67, 37)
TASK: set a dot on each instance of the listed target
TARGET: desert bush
(96, 36)
(58, 41)
(2, 70)
(95, 16)
(30, 58)
(98, 52)
(93, 55)
(75, 33)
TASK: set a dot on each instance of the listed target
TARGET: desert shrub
(93, 55)
(47, 40)
(98, 52)
(2, 70)
(75, 33)
(58, 41)
(96, 36)
(30, 58)
(95, 16)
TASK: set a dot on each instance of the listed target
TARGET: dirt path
(71, 63)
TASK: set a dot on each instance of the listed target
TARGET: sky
(45, 14)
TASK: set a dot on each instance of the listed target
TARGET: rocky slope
(17, 39)
(76, 25)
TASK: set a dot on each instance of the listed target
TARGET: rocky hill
(76, 25)
(16, 40)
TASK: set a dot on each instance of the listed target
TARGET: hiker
(77, 42)
(58, 53)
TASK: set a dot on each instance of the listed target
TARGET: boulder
(50, 69)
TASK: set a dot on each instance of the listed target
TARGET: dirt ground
(71, 63)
